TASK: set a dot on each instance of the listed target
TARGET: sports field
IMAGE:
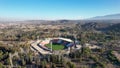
(55, 46)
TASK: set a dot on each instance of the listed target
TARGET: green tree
(1, 65)
(53, 65)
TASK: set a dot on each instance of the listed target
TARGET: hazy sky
(57, 9)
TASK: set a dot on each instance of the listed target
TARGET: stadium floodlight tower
(75, 40)
(51, 45)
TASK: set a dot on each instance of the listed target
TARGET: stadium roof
(69, 40)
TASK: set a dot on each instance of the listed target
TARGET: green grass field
(55, 46)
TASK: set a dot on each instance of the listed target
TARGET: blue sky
(57, 9)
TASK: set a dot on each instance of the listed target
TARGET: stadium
(49, 45)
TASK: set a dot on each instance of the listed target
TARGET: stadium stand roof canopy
(65, 39)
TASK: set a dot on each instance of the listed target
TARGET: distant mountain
(106, 17)
(113, 18)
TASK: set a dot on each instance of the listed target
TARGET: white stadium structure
(39, 46)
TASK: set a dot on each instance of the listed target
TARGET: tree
(70, 65)
(1, 65)
(86, 51)
(53, 65)
(23, 62)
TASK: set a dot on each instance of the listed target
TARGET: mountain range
(107, 17)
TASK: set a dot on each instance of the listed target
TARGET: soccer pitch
(55, 46)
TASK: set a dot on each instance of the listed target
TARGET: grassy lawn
(55, 46)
